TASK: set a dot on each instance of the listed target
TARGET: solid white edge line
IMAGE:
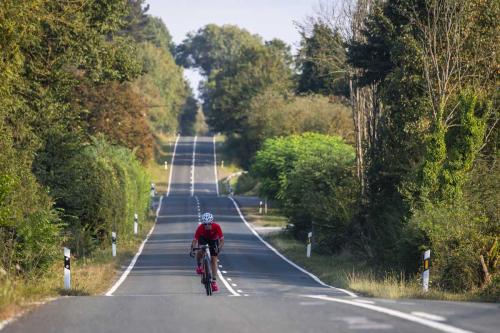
(6, 322)
(172, 165)
(193, 165)
(132, 263)
(314, 277)
(364, 301)
(429, 316)
(231, 290)
(402, 315)
(215, 170)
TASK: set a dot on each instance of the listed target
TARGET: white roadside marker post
(153, 190)
(136, 223)
(113, 243)
(166, 165)
(222, 163)
(67, 268)
(309, 236)
(425, 274)
(265, 206)
(260, 207)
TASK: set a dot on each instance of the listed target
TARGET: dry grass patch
(92, 275)
(163, 147)
(224, 156)
(272, 219)
(345, 271)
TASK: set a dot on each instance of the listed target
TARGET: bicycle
(206, 278)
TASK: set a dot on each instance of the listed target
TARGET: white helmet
(207, 218)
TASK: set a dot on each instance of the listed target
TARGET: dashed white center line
(225, 272)
(240, 291)
(193, 165)
(234, 284)
(228, 286)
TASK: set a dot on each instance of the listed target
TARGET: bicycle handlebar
(202, 247)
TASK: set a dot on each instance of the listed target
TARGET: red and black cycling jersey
(215, 233)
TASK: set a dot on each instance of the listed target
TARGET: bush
(458, 235)
(246, 183)
(38, 241)
(311, 177)
(103, 187)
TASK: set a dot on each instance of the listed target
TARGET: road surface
(259, 290)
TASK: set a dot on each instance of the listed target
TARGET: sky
(268, 18)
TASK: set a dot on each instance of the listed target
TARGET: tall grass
(345, 271)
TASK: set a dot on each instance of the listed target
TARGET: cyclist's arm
(197, 235)
(221, 243)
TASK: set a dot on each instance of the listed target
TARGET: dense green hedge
(311, 177)
(99, 190)
(104, 186)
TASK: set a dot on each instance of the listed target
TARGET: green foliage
(229, 91)
(238, 66)
(245, 184)
(162, 87)
(101, 188)
(322, 62)
(215, 48)
(48, 49)
(424, 150)
(458, 234)
(118, 112)
(311, 177)
(38, 240)
(187, 119)
(271, 114)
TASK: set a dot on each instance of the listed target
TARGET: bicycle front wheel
(208, 279)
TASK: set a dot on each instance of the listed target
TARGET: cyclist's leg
(214, 246)
(199, 254)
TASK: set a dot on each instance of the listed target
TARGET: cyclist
(208, 232)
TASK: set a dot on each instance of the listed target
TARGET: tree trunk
(486, 272)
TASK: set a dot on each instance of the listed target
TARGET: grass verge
(225, 160)
(272, 219)
(92, 275)
(348, 272)
(164, 148)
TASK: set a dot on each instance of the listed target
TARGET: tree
(272, 114)
(237, 66)
(322, 62)
(430, 131)
(118, 112)
(215, 47)
(47, 49)
(162, 87)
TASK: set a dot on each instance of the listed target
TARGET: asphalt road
(261, 292)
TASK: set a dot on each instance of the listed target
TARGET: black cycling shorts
(213, 245)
